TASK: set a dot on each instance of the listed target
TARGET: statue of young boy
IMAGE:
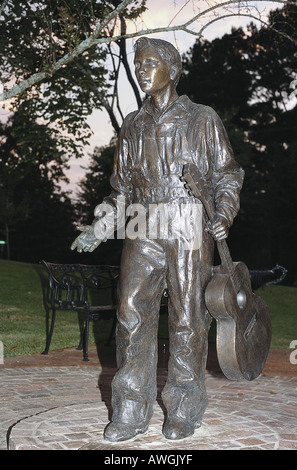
(154, 144)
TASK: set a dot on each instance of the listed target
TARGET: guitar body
(243, 324)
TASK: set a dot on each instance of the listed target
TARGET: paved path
(67, 408)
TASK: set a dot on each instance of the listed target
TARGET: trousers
(147, 268)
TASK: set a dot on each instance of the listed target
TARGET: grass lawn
(23, 315)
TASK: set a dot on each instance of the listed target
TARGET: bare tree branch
(116, 71)
(229, 15)
(123, 52)
(83, 46)
(95, 38)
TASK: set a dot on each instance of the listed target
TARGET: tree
(11, 212)
(274, 137)
(39, 34)
(53, 52)
(31, 166)
(93, 188)
(47, 233)
(54, 55)
(35, 36)
(102, 29)
(250, 85)
(95, 184)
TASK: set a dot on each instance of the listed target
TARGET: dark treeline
(247, 76)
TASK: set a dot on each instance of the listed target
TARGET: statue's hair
(167, 51)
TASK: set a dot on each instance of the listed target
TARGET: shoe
(178, 429)
(116, 432)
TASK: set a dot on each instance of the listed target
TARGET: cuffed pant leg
(184, 394)
(141, 285)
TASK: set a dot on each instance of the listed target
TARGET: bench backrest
(71, 283)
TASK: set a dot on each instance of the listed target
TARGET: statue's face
(151, 71)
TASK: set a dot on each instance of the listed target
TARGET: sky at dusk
(159, 14)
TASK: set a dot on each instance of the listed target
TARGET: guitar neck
(209, 205)
(224, 252)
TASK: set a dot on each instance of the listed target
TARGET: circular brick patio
(257, 415)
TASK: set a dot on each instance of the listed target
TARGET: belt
(155, 195)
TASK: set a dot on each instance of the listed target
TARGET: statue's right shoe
(178, 428)
(116, 432)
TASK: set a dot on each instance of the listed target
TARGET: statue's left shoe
(117, 431)
(178, 428)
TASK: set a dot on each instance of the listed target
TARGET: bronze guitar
(243, 320)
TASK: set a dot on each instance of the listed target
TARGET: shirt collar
(174, 111)
(180, 101)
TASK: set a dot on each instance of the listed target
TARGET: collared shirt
(153, 148)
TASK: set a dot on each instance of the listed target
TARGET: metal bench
(70, 286)
(265, 277)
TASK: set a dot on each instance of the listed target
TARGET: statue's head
(154, 50)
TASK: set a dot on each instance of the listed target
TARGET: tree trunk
(123, 52)
(7, 242)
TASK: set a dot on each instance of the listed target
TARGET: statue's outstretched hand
(101, 229)
(86, 241)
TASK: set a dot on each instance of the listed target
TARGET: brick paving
(67, 407)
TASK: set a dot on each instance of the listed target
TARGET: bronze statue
(171, 245)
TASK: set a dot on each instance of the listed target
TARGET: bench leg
(82, 328)
(81, 342)
(112, 330)
(50, 334)
(86, 341)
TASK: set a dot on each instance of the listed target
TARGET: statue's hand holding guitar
(218, 228)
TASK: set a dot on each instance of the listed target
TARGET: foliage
(104, 27)
(95, 184)
(53, 56)
(93, 188)
(40, 34)
(247, 77)
(35, 214)
(254, 71)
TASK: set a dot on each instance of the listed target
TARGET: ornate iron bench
(266, 277)
(70, 286)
